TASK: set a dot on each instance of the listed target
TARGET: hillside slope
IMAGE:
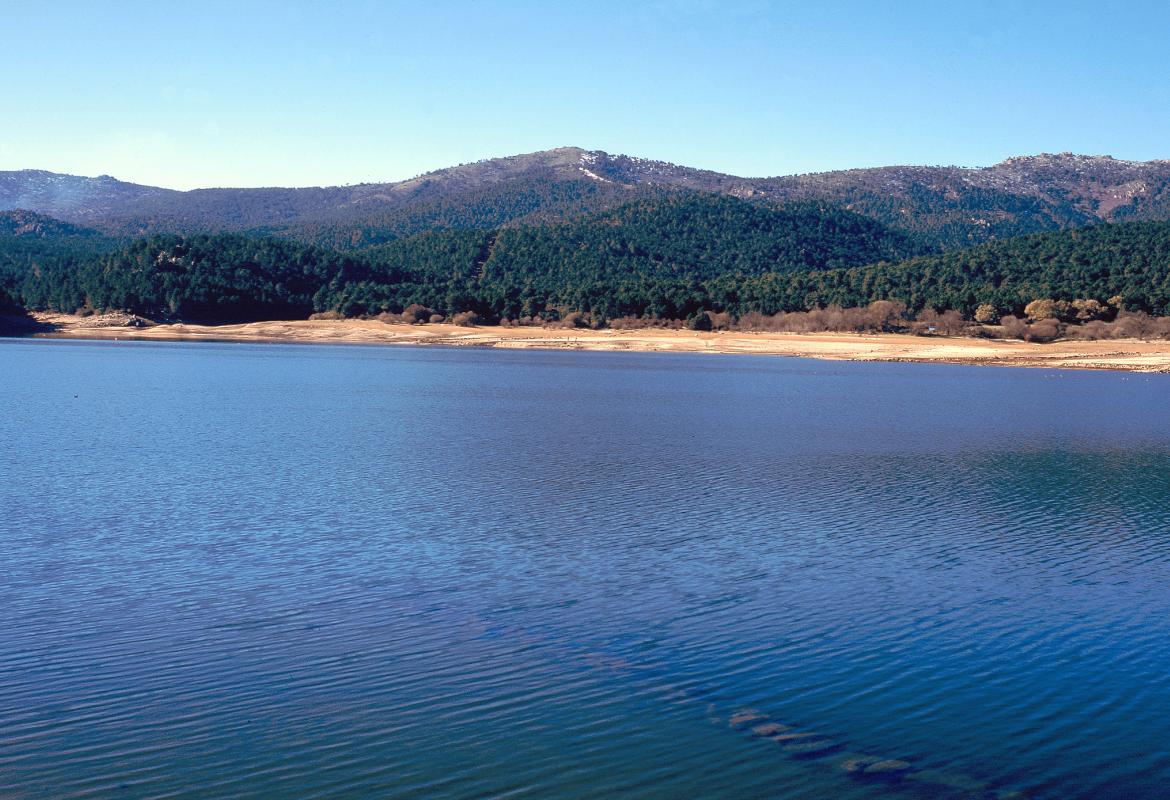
(950, 206)
(668, 258)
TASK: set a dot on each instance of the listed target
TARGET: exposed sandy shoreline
(1131, 355)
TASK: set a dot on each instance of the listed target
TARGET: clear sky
(284, 93)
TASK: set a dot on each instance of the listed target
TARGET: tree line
(675, 257)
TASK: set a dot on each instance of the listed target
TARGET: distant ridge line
(951, 207)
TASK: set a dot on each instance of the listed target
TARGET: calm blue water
(282, 571)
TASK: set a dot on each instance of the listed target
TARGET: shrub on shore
(575, 319)
(1127, 325)
(1045, 320)
(986, 314)
(415, 314)
(932, 323)
(628, 323)
(466, 319)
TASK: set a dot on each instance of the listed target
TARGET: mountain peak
(955, 206)
(1065, 158)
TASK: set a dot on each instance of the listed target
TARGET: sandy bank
(1132, 355)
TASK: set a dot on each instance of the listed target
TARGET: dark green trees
(670, 258)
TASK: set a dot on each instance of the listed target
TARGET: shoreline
(1129, 355)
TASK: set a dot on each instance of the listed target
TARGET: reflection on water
(234, 570)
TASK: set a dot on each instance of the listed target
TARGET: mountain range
(565, 232)
(947, 208)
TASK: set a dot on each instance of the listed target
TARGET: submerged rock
(795, 736)
(769, 729)
(812, 748)
(745, 717)
(859, 764)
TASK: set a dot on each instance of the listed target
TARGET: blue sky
(284, 93)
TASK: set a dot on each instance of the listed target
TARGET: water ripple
(250, 572)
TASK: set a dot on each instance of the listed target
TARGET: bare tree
(1013, 327)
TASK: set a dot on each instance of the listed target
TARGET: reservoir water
(279, 571)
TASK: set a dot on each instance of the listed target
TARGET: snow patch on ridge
(590, 159)
(594, 175)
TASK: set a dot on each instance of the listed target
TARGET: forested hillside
(698, 236)
(503, 271)
(221, 278)
(1128, 262)
(531, 200)
(668, 258)
(949, 207)
(31, 243)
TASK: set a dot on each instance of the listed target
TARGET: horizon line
(1005, 160)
